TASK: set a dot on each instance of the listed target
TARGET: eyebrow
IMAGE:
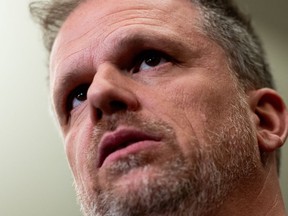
(59, 95)
(63, 81)
(148, 40)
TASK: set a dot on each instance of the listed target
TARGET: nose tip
(110, 93)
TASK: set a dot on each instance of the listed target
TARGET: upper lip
(119, 139)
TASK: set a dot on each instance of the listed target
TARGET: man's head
(166, 107)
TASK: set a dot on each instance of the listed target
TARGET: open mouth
(121, 142)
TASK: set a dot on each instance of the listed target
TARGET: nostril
(112, 107)
(99, 113)
(117, 106)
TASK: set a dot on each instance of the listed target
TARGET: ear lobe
(271, 118)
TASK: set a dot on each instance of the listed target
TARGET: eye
(148, 60)
(77, 96)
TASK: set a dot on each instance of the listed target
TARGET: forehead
(91, 12)
(98, 24)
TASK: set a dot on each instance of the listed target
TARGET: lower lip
(131, 149)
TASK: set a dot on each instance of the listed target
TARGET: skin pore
(145, 67)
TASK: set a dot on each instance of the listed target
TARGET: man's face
(153, 120)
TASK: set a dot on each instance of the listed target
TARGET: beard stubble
(176, 185)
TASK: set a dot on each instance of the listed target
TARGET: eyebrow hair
(59, 95)
(63, 81)
(149, 40)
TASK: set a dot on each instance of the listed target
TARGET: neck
(257, 197)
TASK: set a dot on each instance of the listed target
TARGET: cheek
(192, 104)
(206, 99)
(77, 144)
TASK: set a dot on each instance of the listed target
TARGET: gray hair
(222, 22)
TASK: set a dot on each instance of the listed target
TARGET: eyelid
(71, 96)
(142, 55)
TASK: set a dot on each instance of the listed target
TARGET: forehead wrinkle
(115, 16)
(119, 25)
(99, 22)
(95, 34)
(138, 22)
(147, 40)
(61, 61)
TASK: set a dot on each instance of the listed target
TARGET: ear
(270, 117)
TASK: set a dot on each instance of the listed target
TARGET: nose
(110, 92)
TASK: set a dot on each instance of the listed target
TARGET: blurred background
(35, 179)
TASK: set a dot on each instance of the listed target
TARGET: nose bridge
(110, 92)
(109, 73)
(107, 81)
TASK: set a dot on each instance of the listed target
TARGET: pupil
(153, 60)
(81, 96)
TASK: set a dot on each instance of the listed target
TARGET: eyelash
(140, 58)
(83, 88)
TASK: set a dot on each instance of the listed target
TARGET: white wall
(34, 175)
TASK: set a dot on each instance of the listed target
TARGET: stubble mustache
(154, 127)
